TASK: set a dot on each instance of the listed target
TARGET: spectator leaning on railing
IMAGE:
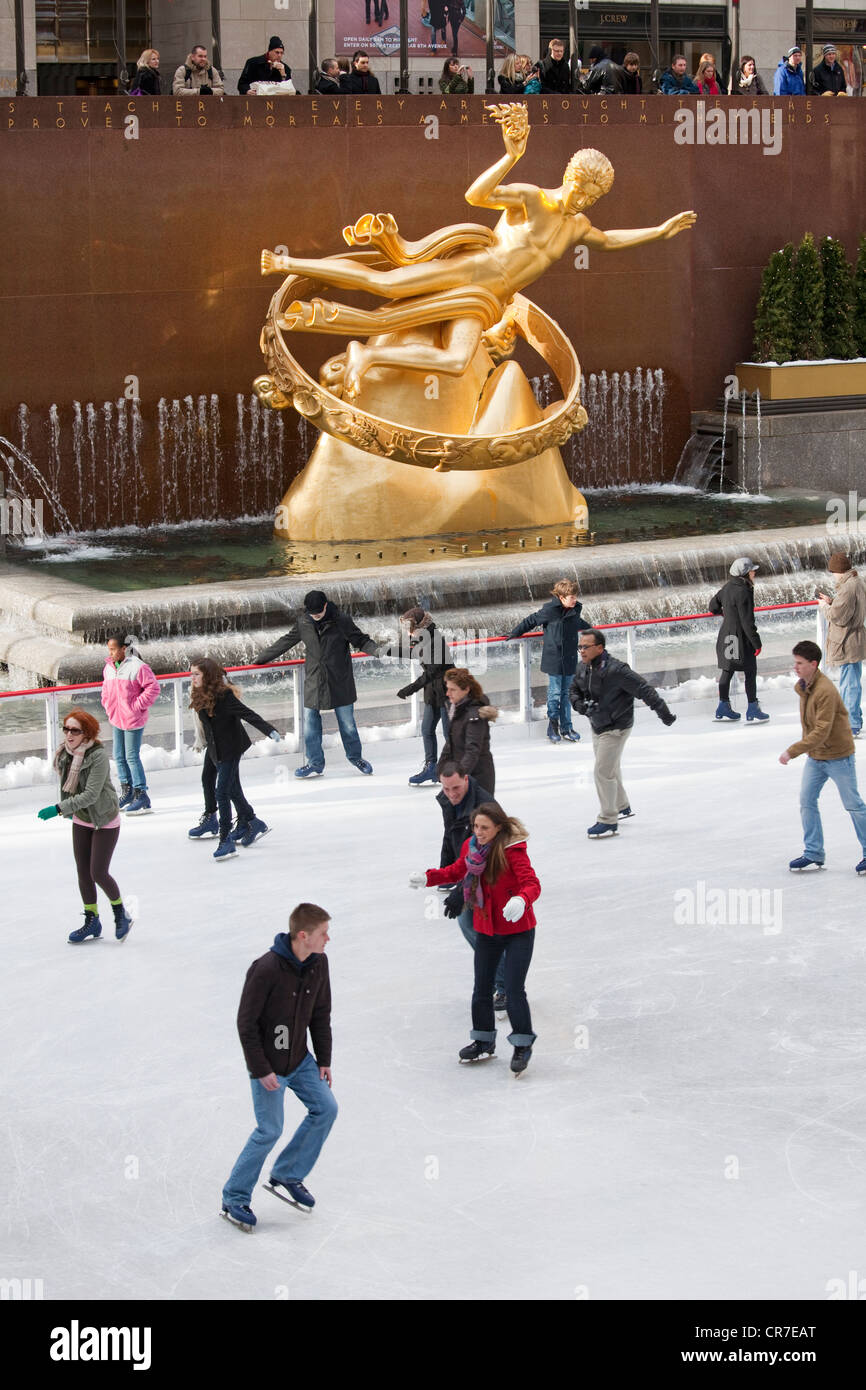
(707, 79)
(747, 80)
(328, 83)
(196, 77)
(827, 78)
(267, 67)
(788, 81)
(675, 81)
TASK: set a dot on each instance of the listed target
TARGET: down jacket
(329, 681)
(224, 732)
(518, 879)
(128, 691)
(282, 998)
(468, 741)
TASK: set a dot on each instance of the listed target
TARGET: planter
(796, 381)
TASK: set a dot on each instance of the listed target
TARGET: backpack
(187, 74)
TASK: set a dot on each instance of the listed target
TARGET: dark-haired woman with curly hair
(221, 715)
(89, 800)
(470, 715)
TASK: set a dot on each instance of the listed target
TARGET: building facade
(71, 46)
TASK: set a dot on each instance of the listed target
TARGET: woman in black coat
(738, 644)
(430, 650)
(220, 714)
(470, 715)
(561, 620)
(146, 79)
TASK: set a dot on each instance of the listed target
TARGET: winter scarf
(77, 755)
(476, 863)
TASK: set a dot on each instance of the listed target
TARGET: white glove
(514, 909)
(418, 880)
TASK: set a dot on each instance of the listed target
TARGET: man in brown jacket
(846, 635)
(830, 748)
(287, 991)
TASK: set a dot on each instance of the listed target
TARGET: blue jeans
(127, 744)
(464, 921)
(849, 689)
(297, 1158)
(842, 771)
(430, 718)
(517, 950)
(313, 735)
(558, 704)
(228, 789)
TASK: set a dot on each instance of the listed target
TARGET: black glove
(404, 692)
(205, 90)
(666, 717)
(454, 902)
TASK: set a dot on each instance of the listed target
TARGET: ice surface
(707, 1142)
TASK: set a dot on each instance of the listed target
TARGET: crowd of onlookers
(519, 76)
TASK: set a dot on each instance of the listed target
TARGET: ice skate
(242, 1217)
(207, 826)
(626, 813)
(500, 1002)
(553, 731)
(253, 830)
(224, 850)
(754, 713)
(804, 864)
(725, 711)
(91, 927)
(122, 921)
(427, 774)
(477, 1051)
(520, 1060)
(298, 1196)
(140, 803)
(126, 795)
(601, 830)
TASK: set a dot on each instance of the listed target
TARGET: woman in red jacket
(500, 884)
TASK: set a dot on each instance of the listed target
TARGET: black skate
(520, 1060)
(477, 1051)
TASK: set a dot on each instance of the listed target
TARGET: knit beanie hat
(839, 563)
(274, 42)
(315, 601)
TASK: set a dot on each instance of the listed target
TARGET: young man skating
(829, 744)
(287, 991)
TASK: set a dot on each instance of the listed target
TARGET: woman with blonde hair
(470, 715)
(514, 73)
(500, 885)
(707, 79)
(145, 83)
(221, 716)
(89, 800)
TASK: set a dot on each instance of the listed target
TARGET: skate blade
(241, 1225)
(261, 835)
(86, 942)
(473, 1061)
(288, 1200)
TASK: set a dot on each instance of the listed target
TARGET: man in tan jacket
(846, 635)
(829, 746)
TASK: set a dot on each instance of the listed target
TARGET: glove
(514, 909)
(667, 718)
(48, 812)
(205, 90)
(403, 693)
(418, 879)
(758, 651)
(455, 902)
(275, 736)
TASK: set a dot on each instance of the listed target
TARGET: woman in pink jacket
(129, 688)
(499, 883)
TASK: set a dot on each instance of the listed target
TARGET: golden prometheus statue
(427, 428)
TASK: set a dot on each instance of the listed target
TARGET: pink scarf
(476, 863)
(77, 755)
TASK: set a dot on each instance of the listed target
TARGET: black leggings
(750, 676)
(93, 850)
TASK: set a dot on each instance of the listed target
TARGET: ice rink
(691, 1125)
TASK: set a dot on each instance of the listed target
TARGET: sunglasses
(72, 729)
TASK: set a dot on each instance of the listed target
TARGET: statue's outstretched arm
(618, 241)
(486, 191)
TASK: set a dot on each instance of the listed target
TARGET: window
(83, 30)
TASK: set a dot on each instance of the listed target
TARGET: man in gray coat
(327, 635)
(846, 635)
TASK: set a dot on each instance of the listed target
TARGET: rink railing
(52, 695)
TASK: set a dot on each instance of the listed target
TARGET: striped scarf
(77, 755)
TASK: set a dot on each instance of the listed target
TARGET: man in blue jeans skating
(287, 991)
(829, 744)
(327, 635)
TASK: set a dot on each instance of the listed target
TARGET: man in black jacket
(360, 80)
(328, 82)
(604, 77)
(327, 635)
(459, 798)
(555, 69)
(287, 991)
(827, 76)
(605, 690)
(560, 618)
(267, 67)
